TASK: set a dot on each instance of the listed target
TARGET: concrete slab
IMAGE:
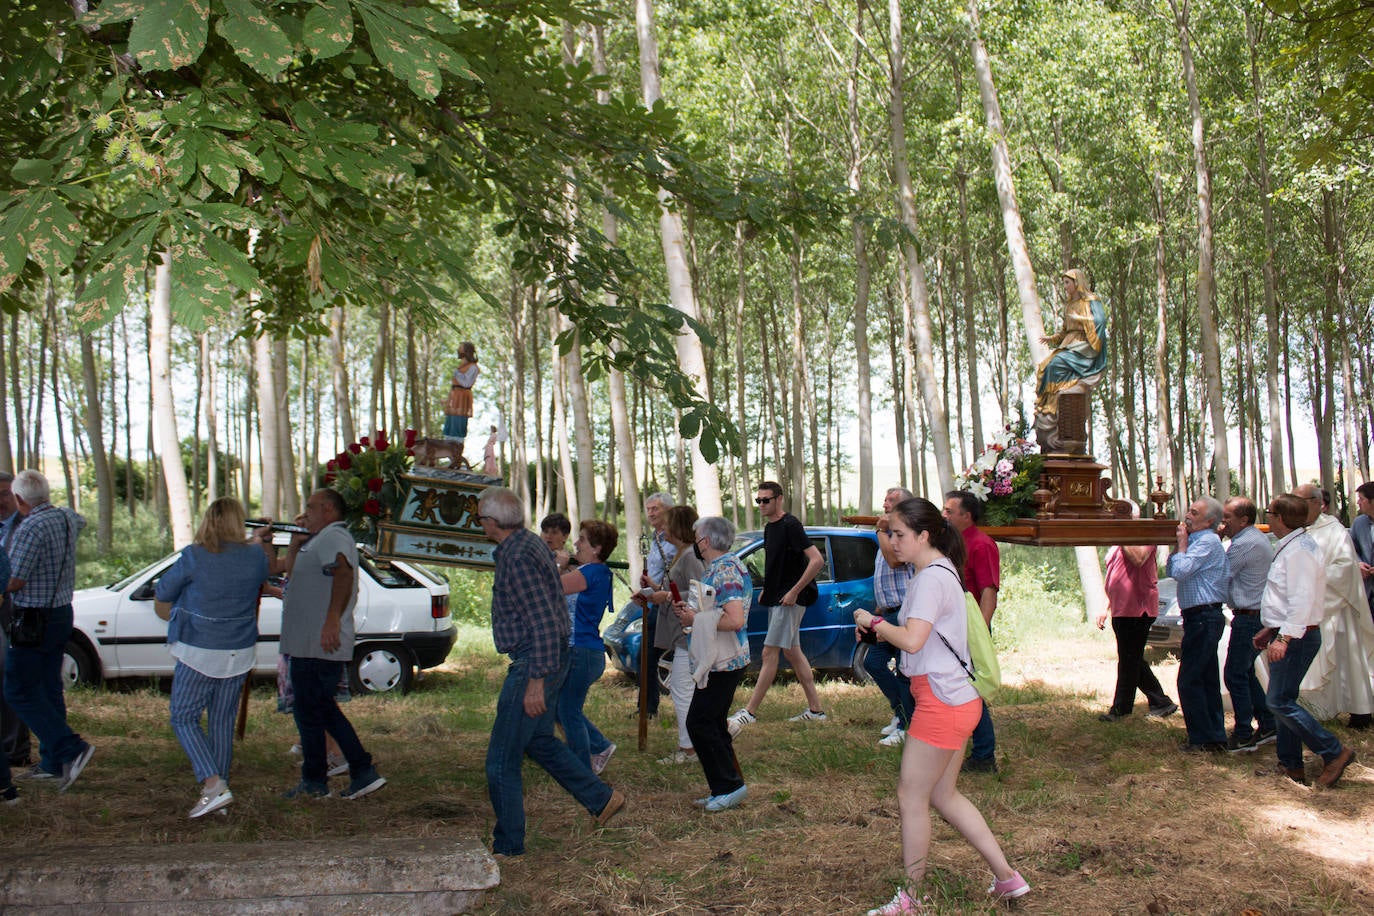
(346, 876)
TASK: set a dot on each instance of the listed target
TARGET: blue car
(845, 584)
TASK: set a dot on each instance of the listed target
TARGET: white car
(401, 621)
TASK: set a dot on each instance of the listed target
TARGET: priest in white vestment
(1340, 677)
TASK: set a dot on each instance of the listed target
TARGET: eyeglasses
(763, 500)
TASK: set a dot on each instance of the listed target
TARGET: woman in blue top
(590, 582)
(932, 635)
(212, 593)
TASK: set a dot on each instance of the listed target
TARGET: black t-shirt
(784, 551)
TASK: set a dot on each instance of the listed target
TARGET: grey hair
(663, 499)
(502, 506)
(1213, 509)
(906, 494)
(719, 532)
(31, 487)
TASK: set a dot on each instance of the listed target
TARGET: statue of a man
(1073, 368)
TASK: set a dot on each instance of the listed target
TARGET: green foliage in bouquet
(1005, 477)
(368, 475)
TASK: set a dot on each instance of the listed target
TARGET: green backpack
(982, 668)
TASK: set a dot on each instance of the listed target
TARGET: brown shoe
(1331, 773)
(612, 808)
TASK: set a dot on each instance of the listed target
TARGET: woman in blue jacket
(212, 590)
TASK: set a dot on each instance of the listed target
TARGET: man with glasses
(529, 623)
(790, 565)
(1339, 679)
(1290, 610)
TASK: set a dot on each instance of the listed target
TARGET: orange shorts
(937, 723)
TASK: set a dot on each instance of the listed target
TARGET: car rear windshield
(388, 575)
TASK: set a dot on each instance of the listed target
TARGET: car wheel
(78, 667)
(856, 665)
(665, 669)
(382, 668)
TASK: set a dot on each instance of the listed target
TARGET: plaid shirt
(529, 616)
(890, 585)
(43, 553)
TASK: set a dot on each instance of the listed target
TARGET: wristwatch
(1283, 638)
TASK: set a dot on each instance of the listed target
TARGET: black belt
(1245, 611)
(1214, 606)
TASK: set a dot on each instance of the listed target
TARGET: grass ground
(1100, 818)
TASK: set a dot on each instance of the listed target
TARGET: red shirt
(983, 568)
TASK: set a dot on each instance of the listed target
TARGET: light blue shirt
(1202, 573)
(1248, 557)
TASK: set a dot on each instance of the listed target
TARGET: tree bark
(917, 290)
(1206, 282)
(691, 359)
(104, 481)
(1006, 193)
(164, 406)
(343, 392)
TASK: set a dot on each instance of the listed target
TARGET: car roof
(851, 530)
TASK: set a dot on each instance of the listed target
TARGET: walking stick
(644, 682)
(241, 726)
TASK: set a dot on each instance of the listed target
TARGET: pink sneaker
(900, 905)
(1013, 887)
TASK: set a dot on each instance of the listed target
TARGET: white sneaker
(896, 739)
(677, 757)
(212, 801)
(894, 726)
(808, 715)
(600, 760)
(736, 723)
(338, 766)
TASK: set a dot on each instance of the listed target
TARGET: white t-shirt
(936, 595)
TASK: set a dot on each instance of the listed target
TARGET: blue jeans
(889, 678)
(1297, 726)
(584, 670)
(315, 681)
(1247, 697)
(1199, 675)
(33, 688)
(984, 738)
(515, 735)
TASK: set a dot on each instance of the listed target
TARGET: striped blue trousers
(211, 749)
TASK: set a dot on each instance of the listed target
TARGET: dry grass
(1100, 818)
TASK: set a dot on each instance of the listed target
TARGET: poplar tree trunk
(1006, 193)
(691, 359)
(1206, 283)
(286, 472)
(211, 420)
(269, 459)
(343, 393)
(104, 481)
(164, 406)
(916, 277)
